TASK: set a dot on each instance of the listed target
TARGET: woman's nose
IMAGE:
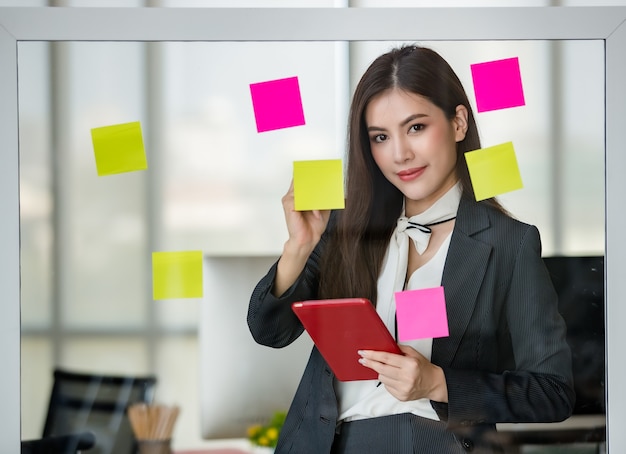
(402, 151)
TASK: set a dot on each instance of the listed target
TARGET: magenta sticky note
(421, 314)
(497, 84)
(277, 104)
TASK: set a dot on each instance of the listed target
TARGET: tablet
(341, 327)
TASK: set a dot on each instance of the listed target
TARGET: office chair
(97, 403)
(61, 444)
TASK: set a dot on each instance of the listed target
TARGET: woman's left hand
(407, 377)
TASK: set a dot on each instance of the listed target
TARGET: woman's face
(414, 145)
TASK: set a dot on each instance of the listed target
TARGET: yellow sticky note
(493, 170)
(318, 185)
(119, 148)
(177, 275)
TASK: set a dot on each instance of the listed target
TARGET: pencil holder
(153, 426)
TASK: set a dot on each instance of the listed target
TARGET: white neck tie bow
(420, 234)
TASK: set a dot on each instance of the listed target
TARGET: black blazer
(506, 358)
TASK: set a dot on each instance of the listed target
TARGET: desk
(213, 451)
(577, 429)
(225, 446)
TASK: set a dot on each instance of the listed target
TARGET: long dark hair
(352, 259)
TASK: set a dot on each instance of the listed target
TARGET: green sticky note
(119, 148)
(493, 170)
(318, 185)
(177, 275)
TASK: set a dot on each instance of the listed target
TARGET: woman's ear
(460, 122)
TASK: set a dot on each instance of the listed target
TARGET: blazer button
(468, 444)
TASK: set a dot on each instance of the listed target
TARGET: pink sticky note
(497, 84)
(277, 104)
(421, 314)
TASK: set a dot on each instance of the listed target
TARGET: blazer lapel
(463, 274)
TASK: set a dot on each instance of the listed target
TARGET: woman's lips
(410, 174)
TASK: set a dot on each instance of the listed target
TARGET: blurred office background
(214, 184)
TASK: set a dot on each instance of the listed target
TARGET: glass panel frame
(303, 24)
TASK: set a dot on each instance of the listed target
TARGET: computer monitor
(242, 383)
(579, 282)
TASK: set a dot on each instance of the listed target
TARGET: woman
(506, 358)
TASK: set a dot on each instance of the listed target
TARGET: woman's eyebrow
(410, 118)
(404, 122)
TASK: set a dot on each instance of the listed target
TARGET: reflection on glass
(213, 183)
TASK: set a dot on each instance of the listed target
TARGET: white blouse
(368, 399)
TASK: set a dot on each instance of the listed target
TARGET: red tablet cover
(341, 327)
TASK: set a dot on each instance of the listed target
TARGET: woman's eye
(379, 138)
(417, 127)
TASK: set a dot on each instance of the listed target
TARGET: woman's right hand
(305, 229)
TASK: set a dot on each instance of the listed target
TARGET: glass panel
(100, 3)
(112, 355)
(250, 3)
(558, 135)
(178, 371)
(23, 3)
(36, 384)
(36, 200)
(448, 3)
(102, 223)
(215, 184)
(581, 123)
(222, 187)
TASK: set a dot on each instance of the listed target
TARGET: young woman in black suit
(506, 358)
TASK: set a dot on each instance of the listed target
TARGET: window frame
(311, 24)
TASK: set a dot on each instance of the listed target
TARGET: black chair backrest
(60, 444)
(97, 403)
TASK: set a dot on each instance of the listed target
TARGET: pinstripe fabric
(399, 434)
(506, 359)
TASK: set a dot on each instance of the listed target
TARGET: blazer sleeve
(537, 386)
(271, 320)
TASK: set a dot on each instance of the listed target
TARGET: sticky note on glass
(119, 148)
(421, 314)
(318, 185)
(177, 275)
(497, 84)
(277, 104)
(493, 170)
